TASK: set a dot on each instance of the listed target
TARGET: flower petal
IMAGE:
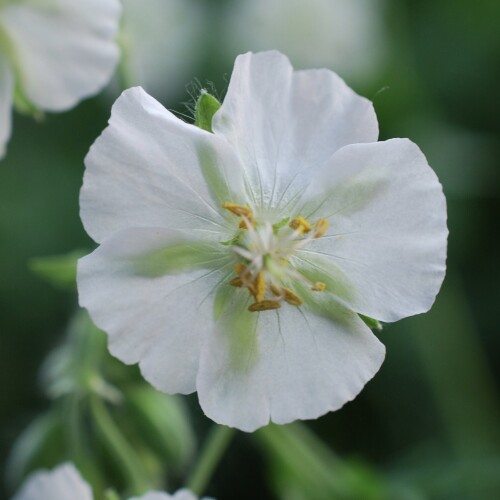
(183, 494)
(158, 321)
(388, 229)
(6, 96)
(285, 124)
(61, 483)
(63, 49)
(284, 365)
(148, 168)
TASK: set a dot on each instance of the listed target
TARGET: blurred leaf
(302, 468)
(39, 445)
(162, 422)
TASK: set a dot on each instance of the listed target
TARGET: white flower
(290, 195)
(66, 483)
(53, 53)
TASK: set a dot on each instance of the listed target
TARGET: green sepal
(59, 270)
(24, 106)
(206, 107)
(371, 323)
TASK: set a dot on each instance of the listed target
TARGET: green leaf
(59, 270)
(206, 107)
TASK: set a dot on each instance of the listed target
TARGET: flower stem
(118, 447)
(213, 449)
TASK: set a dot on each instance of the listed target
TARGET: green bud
(206, 107)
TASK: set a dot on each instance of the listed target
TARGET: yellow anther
(264, 305)
(276, 291)
(291, 298)
(236, 282)
(259, 287)
(251, 290)
(301, 225)
(243, 224)
(318, 287)
(321, 227)
(240, 268)
(239, 210)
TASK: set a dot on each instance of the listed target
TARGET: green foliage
(104, 418)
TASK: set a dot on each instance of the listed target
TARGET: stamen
(276, 291)
(239, 210)
(301, 225)
(291, 298)
(240, 268)
(318, 287)
(236, 282)
(321, 227)
(264, 305)
(259, 287)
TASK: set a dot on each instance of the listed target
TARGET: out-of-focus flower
(344, 35)
(65, 483)
(62, 483)
(237, 263)
(153, 36)
(53, 53)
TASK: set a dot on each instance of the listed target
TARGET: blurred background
(427, 426)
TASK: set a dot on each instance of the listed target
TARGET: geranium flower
(65, 482)
(237, 263)
(53, 53)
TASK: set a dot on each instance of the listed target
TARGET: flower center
(264, 251)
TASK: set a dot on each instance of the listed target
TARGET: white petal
(183, 494)
(149, 168)
(6, 95)
(388, 231)
(284, 365)
(63, 49)
(158, 321)
(286, 124)
(62, 483)
(153, 495)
